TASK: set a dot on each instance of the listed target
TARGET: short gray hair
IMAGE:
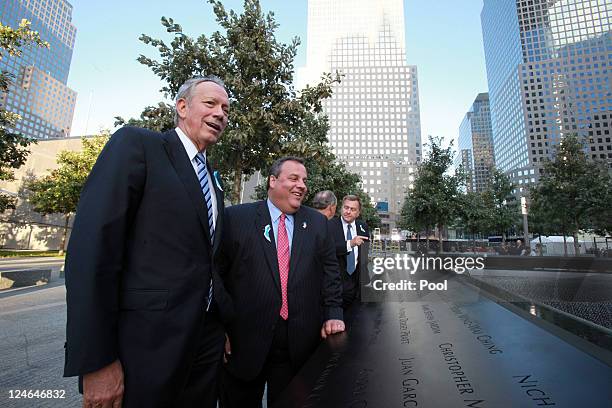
(186, 90)
(324, 199)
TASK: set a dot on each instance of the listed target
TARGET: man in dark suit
(351, 237)
(144, 296)
(325, 202)
(282, 274)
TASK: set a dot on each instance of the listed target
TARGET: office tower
(548, 67)
(374, 112)
(475, 145)
(38, 92)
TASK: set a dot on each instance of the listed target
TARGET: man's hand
(332, 327)
(358, 240)
(104, 388)
(228, 349)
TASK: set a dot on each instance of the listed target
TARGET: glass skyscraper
(38, 92)
(548, 67)
(475, 145)
(374, 112)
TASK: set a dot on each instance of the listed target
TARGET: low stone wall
(562, 263)
(41, 237)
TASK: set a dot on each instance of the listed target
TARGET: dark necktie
(350, 259)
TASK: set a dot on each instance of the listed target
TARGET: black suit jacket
(252, 280)
(139, 265)
(350, 283)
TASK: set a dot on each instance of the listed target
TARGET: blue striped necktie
(203, 178)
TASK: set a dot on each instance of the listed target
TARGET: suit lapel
(299, 220)
(268, 247)
(361, 230)
(180, 161)
(220, 207)
(363, 248)
(339, 229)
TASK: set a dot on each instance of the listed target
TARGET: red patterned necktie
(282, 252)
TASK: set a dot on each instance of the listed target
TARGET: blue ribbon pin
(217, 180)
(267, 232)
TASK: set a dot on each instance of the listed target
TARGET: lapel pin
(267, 232)
(217, 180)
(304, 225)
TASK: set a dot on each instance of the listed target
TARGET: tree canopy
(266, 111)
(435, 199)
(574, 193)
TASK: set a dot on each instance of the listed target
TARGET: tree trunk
(576, 245)
(564, 244)
(427, 247)
(65, 235)
(237, 185)
(440, 240)
(541, 248)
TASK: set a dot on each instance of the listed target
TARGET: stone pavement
(32, 334)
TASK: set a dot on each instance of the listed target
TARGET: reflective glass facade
(39, 93)
(548, 67)
(374, 113)
(475, 144)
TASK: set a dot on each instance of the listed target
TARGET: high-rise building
(475, 145)
(374, 112)
(548, 67)
(38, 92)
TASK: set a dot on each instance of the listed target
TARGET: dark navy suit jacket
(139, 265)
(252, 279)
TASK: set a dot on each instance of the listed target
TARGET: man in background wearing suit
(282, 274)
(325, 202)
(350, 235)
(143, 294)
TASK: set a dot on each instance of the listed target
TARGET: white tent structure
(553, 245)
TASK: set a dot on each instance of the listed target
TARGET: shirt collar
(190, 148)
(275, 213)
(344, 224)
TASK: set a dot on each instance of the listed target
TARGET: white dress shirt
(353, 234)
(192, 151)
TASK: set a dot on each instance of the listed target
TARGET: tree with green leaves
(574, 192)
(13, 146)
(266, 111)
(503, 211)
(601, 218)
(474, 214)
(435, 199)
(59, 192)
(159, 118)
(412, 214)
(324, 171)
